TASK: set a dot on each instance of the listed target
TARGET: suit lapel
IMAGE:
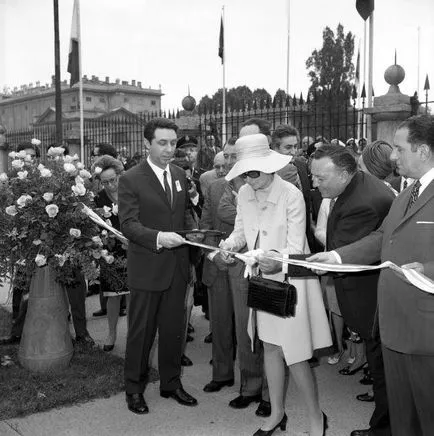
(426, 196)
(175, 193)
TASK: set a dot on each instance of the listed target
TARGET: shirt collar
(157, 170)
(426, 179)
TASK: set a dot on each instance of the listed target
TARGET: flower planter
(46, 343)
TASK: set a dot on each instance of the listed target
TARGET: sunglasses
(251, 174)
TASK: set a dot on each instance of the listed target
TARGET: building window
(88, 98)
(73, 99)
(125, 99)
(73, 108)
(153, 102)
(102, 100)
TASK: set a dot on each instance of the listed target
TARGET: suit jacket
(358, 211)
(406, 313)
(210, 220)
(144, 211)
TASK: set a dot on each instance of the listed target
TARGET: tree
(279, 98)
(262, 97)
(331, 68)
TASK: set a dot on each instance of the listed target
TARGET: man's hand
(195, 236)
(269, 266)
(226, 245)
(170, 239)
(325, 257)
(417, 266)
(220, 263)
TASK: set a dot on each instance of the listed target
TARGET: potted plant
(46, 240)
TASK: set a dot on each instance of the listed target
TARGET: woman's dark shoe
(108, 347)
(281, 425)
(368, 397)
(366, 380)
(348, 371)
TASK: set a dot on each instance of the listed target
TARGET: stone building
(22, 108)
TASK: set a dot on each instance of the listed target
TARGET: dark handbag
(277, 298)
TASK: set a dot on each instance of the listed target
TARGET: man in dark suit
(406, 313)
(153, 203)
(359, 203)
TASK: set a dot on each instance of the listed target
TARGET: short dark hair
(231, 141)
(158, 123)
(106, 148)
(65, 148)
(285, 130)
(27, 144)
(340, 156)
(420, 130)
(264, 126)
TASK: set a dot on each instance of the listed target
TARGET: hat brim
(268, 164)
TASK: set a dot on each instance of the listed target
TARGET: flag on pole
(365, 8)
(357, 79)
(73, 58)
(222, 41)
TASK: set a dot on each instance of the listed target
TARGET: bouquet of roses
(42, 221)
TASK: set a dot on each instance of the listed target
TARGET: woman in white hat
(271, 216)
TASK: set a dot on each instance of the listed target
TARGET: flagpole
(370, 73)
(287, 48)
(224, 84)
(365, 33)
(58, 94)
(418, 60)
(80, 84)
(359, 113)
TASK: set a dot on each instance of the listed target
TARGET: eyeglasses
(252, 174)
(218, 167)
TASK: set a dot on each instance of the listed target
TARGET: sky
(174, 43)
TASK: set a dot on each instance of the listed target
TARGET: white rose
(55, 151)
(107, 212)
(3, 177)
(69, 167)
(40, 166)
(23, 200)
(104, 232)
(52, 210)
(104, 253)
(36, 141)
(11, 210)
(79, 180)
(48, 196)
(79, 189)
(115, 209)
(40, 260)
(97, 170)
(109, 259)
(12, 155)
(79, 165)
(37, 242)
(97, 240)
(75, 157)
(61, 259)
(75, 232)
(22, 154)
(68, 159)
(17, 163)
(85, 174)
(22, 174)
(45, 172)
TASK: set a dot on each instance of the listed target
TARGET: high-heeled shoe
(281, 424)
(325, 424)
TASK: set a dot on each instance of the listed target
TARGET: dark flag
(365, 8)
(73, 58)
(221, 41)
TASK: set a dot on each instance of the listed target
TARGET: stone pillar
(3, 151)
(391, 109)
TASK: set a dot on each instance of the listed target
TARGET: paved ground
(110, 417)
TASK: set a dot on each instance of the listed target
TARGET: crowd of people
(271, 194)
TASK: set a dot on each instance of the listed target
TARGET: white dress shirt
(409, 181)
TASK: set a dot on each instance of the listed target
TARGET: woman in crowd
(107, 170)
(271, 216)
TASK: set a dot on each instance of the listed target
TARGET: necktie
(167, 189)
(414, 194)
(405, 184)
(332, 205)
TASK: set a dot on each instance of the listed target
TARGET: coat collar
(275, 192)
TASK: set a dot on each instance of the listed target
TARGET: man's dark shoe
(208, 339)
(242, 402)
(215, 386)
(366, 432)
(137, 404)
(10, 340)
(85, 340)
(264, 409)
(99, 313)
(122, 312)
(185, 361)
(180, 396)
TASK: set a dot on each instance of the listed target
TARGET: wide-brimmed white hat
(254, 154)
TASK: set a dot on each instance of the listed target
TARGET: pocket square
(424, 222)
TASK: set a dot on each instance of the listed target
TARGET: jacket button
(391, 241)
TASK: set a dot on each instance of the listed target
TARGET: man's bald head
(219, 164)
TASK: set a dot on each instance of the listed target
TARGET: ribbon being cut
(250, 258)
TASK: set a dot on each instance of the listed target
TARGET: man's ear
(425, 151)
(146, 143)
